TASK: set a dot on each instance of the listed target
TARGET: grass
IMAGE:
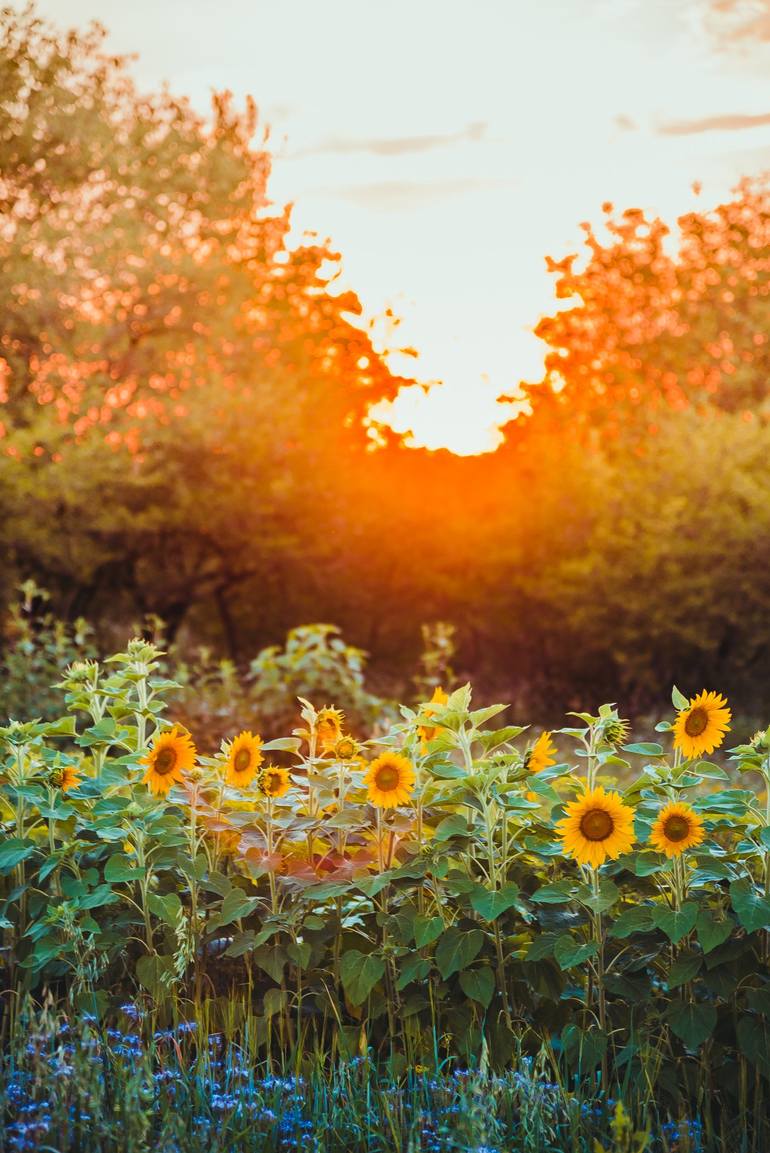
(71, 1084)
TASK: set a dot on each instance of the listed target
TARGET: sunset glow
(444, 197)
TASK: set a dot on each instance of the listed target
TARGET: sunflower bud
(761, 741)
(616, 731)
(347, 749)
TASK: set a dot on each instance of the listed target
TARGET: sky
(447, 146)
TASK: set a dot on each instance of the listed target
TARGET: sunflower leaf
(478, 984)
(693, 1024)
(569, 952)
(751, 906)
(359, 973)
(456, 949)
(676, 923)
(712, 932)
(678, 700)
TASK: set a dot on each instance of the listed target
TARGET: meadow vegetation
(453, 899)
(248, 900)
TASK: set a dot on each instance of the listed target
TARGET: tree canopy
(185, 428)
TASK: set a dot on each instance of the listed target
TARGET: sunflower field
(453, 896)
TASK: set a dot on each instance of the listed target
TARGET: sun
(445, 417)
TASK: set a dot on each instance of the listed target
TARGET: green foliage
(338, 927)
(35, 646)
(315, 662)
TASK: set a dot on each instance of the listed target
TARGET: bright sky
(446, 146)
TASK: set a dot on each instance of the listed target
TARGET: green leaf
(121, 867)
(13, 852)
(299, 952)
(456, 949)
(359, 973)
(478, 984)
(272, 959)
(754, 1042)
(101, 895)
(712, 932)
(273, 1001)
(371, 886)
(676, 923)
(541, 947)
(235, 905)
(608, 895)
(412, 968)
(167, 908)
(684, 969)
(553, 894)
(427, 930)
(751, 906)
(242, 943)
(693, 1024)
(490, 903)
(151, 970)
(569, 952)
(711, 771)
(637, 919)
(678, 700)
(645, 749)
(325, 890)
(455, 825)
(62, 727)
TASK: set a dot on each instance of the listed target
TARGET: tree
(651, 328)
(177, 385)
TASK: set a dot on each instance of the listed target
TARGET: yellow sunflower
(69, 778)
(701, 727)
(598, 826)
(439, 698)
(274, 781)
(347, 749)
(677, 828)
(328, 727)
(243, 760)
(171, 755)
(390, 780)
(541, 756)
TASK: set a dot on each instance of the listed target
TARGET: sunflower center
(387, 778)
(676, 828)
(596, 825)
(273, 782)
(242, 760)
(165, 761)
(696, 723)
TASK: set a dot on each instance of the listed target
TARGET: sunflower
(438, 699)
(347, 749)
(243, 759)
(701, 727)
(274, 781)
(616, 731)
(541, 756)
(598, 827)
(328, 727)
(390, 780)
(677, 828)
(68, 778)
(171, 755)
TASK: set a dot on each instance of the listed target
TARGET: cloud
(396, 195)
(625, 123)
(729, 123)
(738, 21)
(397, 145)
